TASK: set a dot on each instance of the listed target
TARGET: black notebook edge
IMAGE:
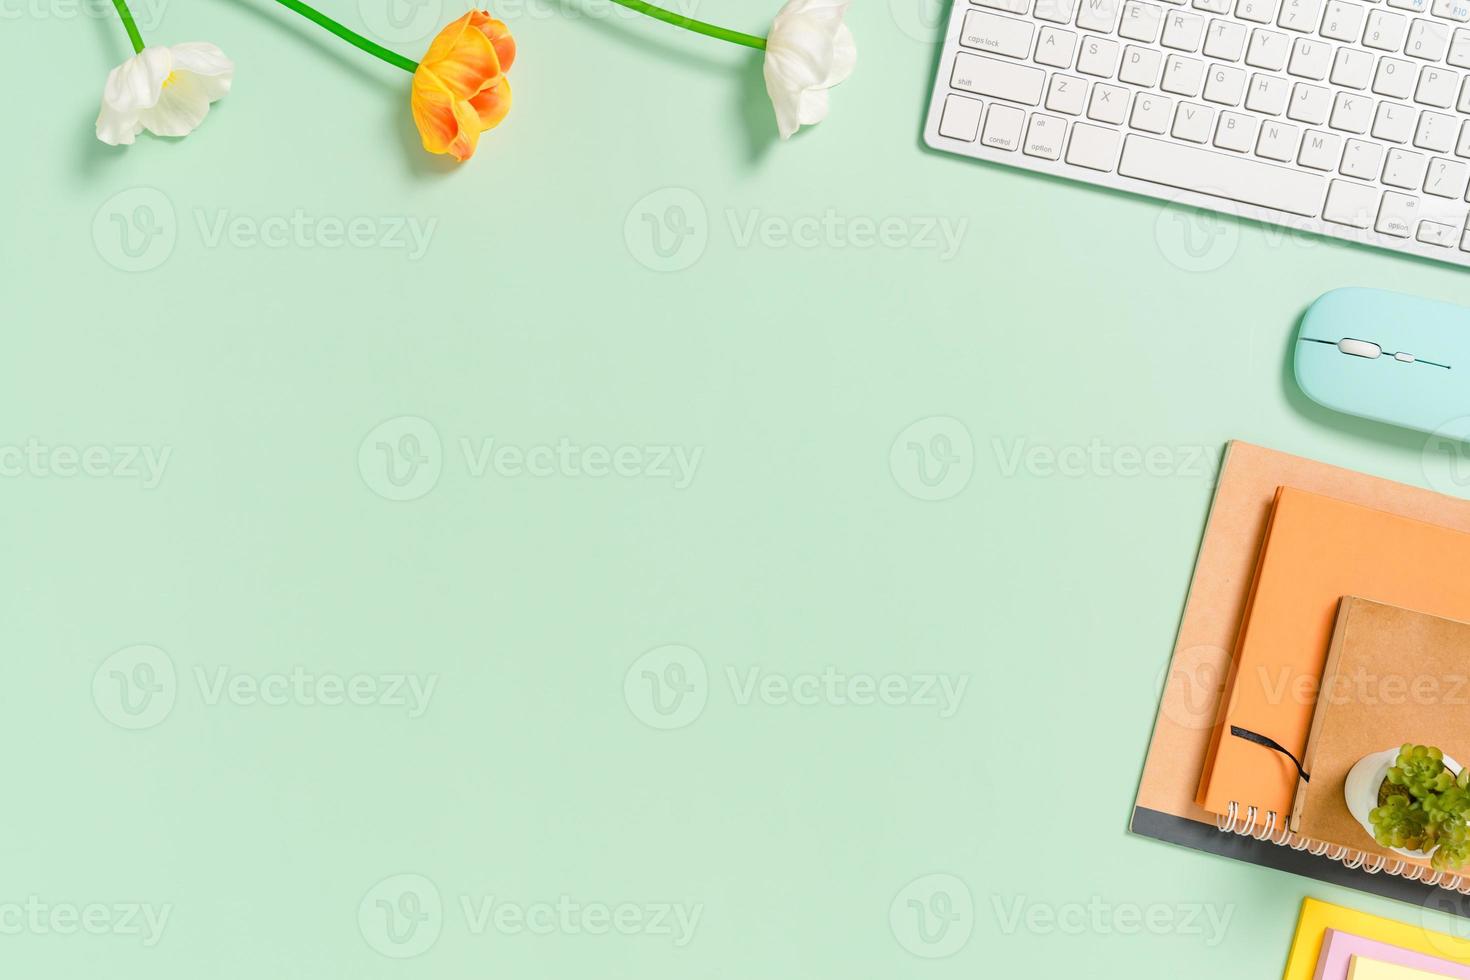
(1204, 837)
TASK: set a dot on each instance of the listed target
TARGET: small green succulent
(1423, 806)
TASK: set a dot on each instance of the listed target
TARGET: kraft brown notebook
(1393, 676)
(1195, 676)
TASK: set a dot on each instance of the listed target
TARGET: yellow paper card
(1317, 917)
(1362, 968)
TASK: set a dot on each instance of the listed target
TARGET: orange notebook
(1317, 550)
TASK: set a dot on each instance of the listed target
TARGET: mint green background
(1067, 315)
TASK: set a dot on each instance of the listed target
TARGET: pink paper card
(1338, 949)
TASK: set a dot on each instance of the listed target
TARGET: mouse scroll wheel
(1359, 348)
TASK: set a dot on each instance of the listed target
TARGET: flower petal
(808, 51)
(499, 35)
(446, 124)
(206, 61)
(136, 83)
(118, 127)
(492, 104)
(463, 58)
(180, 109)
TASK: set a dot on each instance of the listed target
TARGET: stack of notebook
(1334, 943)
(1324, 624)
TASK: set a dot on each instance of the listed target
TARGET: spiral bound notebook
(1317, 550)
(1192, 684)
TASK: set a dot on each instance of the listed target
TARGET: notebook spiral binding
(1234, 822)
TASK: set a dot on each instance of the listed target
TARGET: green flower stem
(347, 34)
(129, 25)
(690, 24)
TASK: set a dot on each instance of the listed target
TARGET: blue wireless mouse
(1388, 356)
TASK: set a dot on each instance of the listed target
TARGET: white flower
(809, 50)
(166, 91)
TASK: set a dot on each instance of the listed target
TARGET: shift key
(998, 79)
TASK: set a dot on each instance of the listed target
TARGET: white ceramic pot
(1361, 789)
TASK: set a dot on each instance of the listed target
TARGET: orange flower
(460, 89)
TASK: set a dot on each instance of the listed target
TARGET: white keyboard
(1345, 118)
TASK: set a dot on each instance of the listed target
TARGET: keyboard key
(1055, 11)
(1182, 75)
(1436, 87)
(1278, 141)
(961, 120)
(1093, 147)
(1066, 93)
(1462, 148)
(1412, 6)
(1260, 11)
(1193, 122)
(1447, 178)
(1151, 113)
(1300, 15)
(995, 34)
(1394, 122)
(1350, 204)
(1464, 106)
(1268, 94)
(1310, 104)
(1098, 15)
(1452, 9)
(1361, 159)
(1436, 132)
(1239, 179)
(998, 79)
(1108, 104)
(1428, 39)
(1236, 132)
(1459, 55)
(1404, 169)
(1003, 127)
(1343, 21)
(1141, 21)
(1225, 85)
(1212, 6)
(1352, 68)
(1009, 6)
(1055, 47)
(1268, 50)
(1434, 233)
(1385, 30)
(1394, 78)
(1351, 113)
(1183, 32)
(1320, 151)
(1044, 136)
(1225, 40)
(1099, 57)
(1140, 66)
(1310, 59)
(1397, 215)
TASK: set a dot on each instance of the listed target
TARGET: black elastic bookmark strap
(1270, 743)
